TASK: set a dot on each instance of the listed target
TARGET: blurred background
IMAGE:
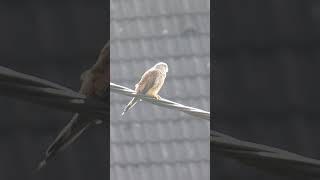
(267, 87)
(55, 41)
(151, 142)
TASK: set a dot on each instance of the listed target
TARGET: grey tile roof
(152, 142)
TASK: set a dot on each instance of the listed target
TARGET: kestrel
(150, 83)
(94, 84)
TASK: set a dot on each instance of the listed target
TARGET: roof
(152, 142)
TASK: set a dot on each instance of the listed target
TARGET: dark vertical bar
(55, 41)
(212, 80)
(108, 89)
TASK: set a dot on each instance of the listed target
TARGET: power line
(162, 102)
(39, 91)
(36, 90)
(264, 157)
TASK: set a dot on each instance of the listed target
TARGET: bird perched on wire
(150, 84)
(94, 83)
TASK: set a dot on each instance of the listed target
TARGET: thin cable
(162, 102)
(39, 91)
(264, 157)
(267, 158)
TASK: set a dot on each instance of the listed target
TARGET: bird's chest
(156, 87)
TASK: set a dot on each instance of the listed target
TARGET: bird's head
(161, 66)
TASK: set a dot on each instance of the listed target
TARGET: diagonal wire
(162, 102)
(46, 93)
(264, 157)
(39, 91)
(9, 75)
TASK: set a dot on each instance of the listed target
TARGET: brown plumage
(94, 83)
(150, 83)
(94, 80)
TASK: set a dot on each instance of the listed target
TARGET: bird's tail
(68, 134)
(130, 105)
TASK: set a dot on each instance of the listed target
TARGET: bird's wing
(147, 81)
(94, 83)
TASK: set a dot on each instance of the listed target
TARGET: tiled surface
(152, 142)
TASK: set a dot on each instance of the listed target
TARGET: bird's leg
(158, 97)
(153, 94)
